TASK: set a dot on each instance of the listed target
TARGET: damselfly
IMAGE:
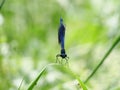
(61, 41)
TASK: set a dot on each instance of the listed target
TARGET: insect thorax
(63, 54)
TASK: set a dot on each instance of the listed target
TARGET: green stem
(104, 58)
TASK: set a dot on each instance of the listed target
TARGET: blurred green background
(28, 42)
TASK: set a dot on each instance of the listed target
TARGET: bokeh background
(28, 42)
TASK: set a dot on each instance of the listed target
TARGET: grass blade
(40, 74)
(65, 68)
(82, 85)
(21, 84)
(36, 80)
(117, 40)
(1, 5)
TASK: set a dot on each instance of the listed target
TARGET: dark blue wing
(61, 35)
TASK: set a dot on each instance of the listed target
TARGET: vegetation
(28, 45)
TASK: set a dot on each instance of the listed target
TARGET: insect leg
(58, 55)
(67, 63)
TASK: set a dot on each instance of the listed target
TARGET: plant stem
(104, 58)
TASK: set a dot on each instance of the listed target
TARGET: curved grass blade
(65, 68)
(32, 85)
(36, 80)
